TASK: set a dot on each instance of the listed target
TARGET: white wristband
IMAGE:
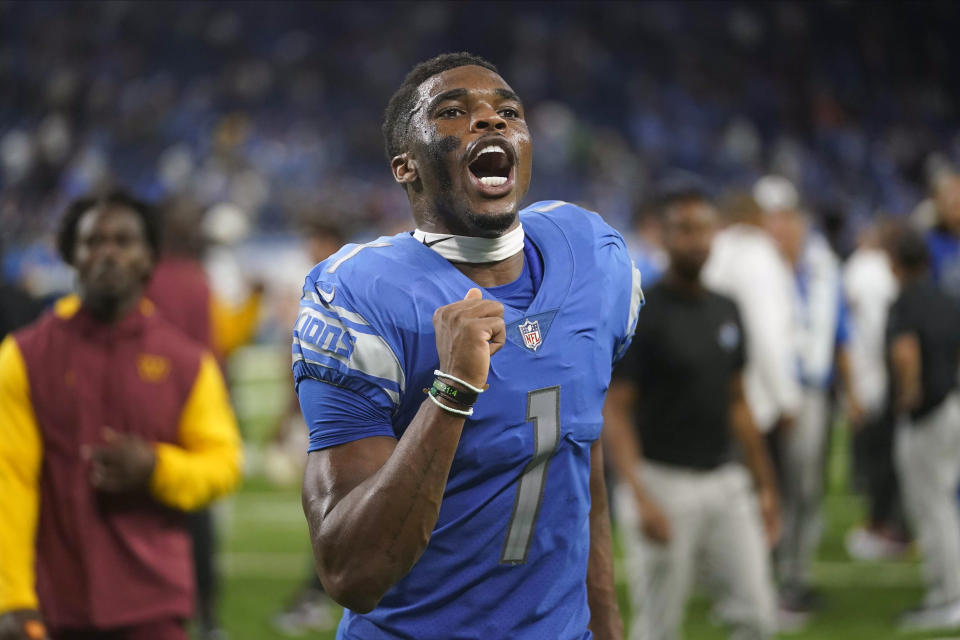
(459, 412)
(441, 374)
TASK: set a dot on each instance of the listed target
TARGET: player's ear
(404, 168)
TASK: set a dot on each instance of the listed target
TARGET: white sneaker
(863, 544)
(945, 616)
(311, 613)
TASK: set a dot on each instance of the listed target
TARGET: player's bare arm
(906, 359)
(757, 459)
(855, 412)
(625, 453)
(372, 504)
(605, 621)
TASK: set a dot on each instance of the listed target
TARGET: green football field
(266, 556)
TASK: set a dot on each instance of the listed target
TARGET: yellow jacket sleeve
(206, 462)
(21, 451)
(232, 327)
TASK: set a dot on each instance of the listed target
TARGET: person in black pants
(689, 504)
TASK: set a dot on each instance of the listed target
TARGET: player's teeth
(490, 149)
(493, 181)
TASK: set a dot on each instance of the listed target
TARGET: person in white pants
(689, 508)
(923, 343)
(821, 333)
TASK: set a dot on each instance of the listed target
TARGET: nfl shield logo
(530, 330)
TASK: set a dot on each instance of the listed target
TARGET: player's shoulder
(36, 330)
(49, 331)
(359, 260)
(381, 270)
(585, 231)
(569, 217)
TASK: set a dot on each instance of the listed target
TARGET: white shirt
(870, 287)
(818, 290)
(745, 265)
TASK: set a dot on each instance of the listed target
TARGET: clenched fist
(468, 333)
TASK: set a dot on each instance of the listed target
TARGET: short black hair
(679, 188)
(67, 231)
(396, 117)
(908, 249)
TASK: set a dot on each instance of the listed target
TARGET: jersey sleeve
(206, 461)
(21, 451)
(346, 363)
(335, 415)
(904, 317)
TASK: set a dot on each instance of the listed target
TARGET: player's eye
(450, 112)
(509, 112)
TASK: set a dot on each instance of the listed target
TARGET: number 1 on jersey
(543, 409)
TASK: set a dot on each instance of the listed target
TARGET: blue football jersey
(508, 556)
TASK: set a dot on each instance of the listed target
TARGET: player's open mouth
(491, 167)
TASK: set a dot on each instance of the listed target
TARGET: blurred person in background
(179, 289)
(309, 608)
(923, 350)
(115, 423)
(820, 325)
(677, 403)
(450, 490)
(178, 285)
(17, 307)
(235, 298)
(646, 242)
(870, 288)
(746, 265)
(943, 240)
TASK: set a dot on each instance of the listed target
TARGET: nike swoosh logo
(327, 297)
(430, 244)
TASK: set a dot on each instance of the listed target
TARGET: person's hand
(22, 624)
(856, 416)
(770, 512)
(468, 333)
(124, 464)
(654, 522)
(257, 286)
(786, 423)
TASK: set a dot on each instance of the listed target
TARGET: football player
(453, 380)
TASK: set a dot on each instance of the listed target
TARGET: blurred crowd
(273, 109)
(825, 134)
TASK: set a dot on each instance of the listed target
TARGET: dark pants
(876, 473)
(204, 552)
(169, 629)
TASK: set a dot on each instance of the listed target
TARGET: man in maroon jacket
(113, 424)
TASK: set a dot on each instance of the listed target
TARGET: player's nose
(486, 117)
